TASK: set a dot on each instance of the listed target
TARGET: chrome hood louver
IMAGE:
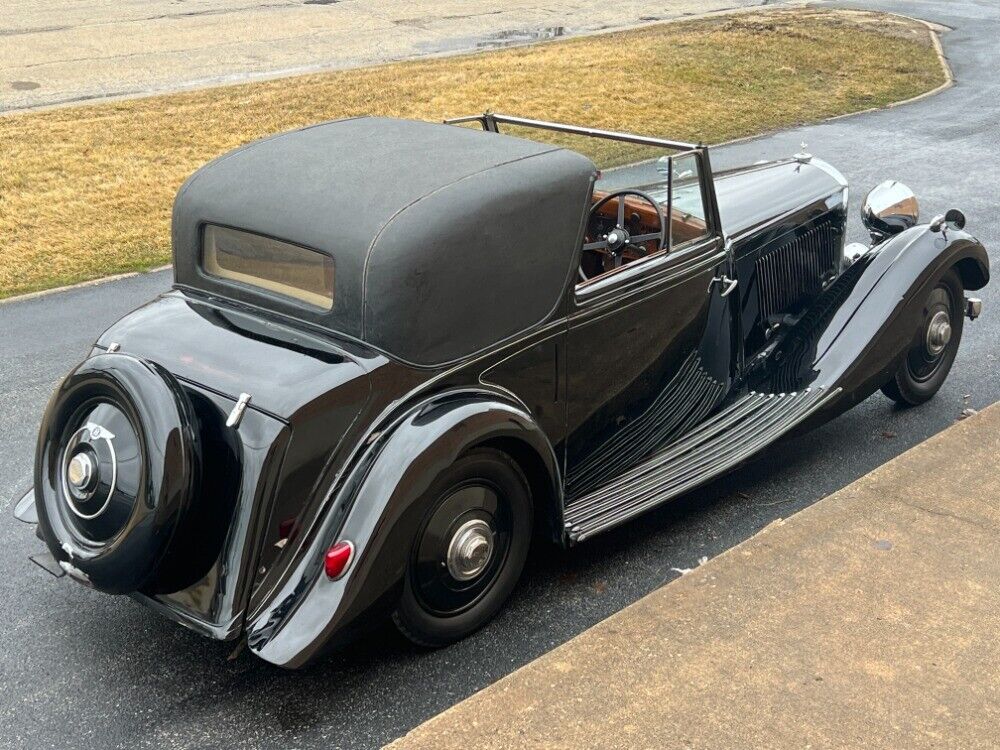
(793, 273)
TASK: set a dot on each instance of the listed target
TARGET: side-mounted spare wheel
(116, 465)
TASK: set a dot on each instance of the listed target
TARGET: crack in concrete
(146, 19)
(979, 523)
(423, 23)
(33, 30)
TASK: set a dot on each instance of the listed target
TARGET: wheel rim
(462, 548)
(100, 470)
(934, 336)
(470, 550)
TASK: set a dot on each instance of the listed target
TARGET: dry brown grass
(87, 191)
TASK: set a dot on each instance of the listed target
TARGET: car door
(650, 345)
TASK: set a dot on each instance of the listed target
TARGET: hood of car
(752, 197)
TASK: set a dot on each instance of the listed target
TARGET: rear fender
(384, 506)
(856, 343)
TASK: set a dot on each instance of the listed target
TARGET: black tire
(484, 486)
(923, 371)
(137, 429)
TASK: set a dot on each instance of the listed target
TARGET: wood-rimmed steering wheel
(618, 240)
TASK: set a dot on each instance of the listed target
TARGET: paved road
(80, 668)
(78, 50)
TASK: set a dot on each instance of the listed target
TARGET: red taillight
(338, 557)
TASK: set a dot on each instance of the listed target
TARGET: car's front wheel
(469, 550)
(929, 359)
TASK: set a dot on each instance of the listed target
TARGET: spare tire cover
(116, 465)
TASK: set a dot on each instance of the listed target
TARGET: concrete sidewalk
(871, 619)
(63, 51)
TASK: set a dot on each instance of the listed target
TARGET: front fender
(864, 323)
(384, 506)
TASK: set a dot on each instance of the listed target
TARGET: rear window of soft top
(271, 265)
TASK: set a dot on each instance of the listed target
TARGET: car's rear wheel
(469, 550)
(932, 353)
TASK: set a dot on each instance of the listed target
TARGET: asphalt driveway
(85, 669)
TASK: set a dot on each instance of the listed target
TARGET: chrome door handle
(728, 285)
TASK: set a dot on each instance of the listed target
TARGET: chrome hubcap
(80, 471)
(938, 332)
(470, 550)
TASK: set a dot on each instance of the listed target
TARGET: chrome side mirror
(889, 208)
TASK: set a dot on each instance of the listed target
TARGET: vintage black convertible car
(396, 350)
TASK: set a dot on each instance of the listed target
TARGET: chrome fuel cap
(470, 550)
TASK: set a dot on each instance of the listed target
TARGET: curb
(81, 285)
(933, 29)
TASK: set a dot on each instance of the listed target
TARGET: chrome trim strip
(650, 275)
(722, 420)
(663, 467)
(830, 170)
(734, 434)
(606, 458)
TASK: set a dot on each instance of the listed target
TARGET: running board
(711, 449)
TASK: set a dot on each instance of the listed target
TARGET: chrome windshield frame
(490, 121)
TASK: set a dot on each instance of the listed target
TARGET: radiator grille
(792, 273)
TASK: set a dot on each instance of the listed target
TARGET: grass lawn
(87, 191)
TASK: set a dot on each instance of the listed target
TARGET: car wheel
(929, 359)
(469, 551)
(116, 469)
